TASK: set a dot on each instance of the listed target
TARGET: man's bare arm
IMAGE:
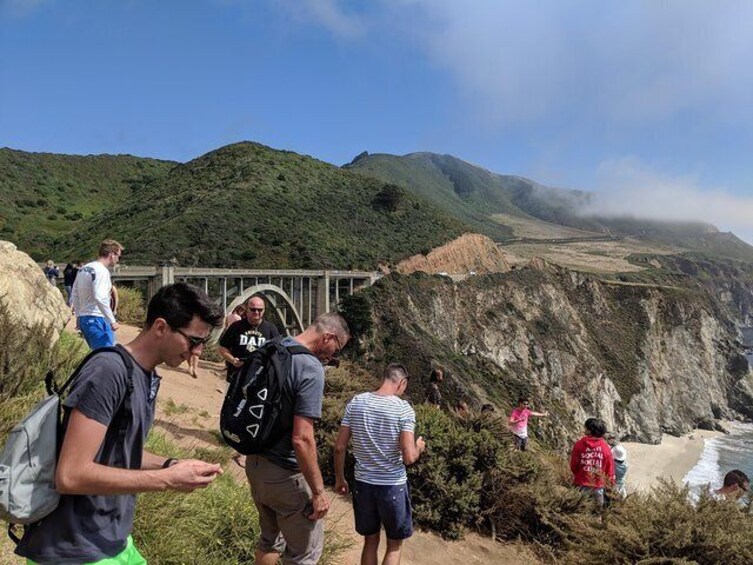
(78, 473)
(341, 446)
(410, 449)
(228, 356)
(304, 445)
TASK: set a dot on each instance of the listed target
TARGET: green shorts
(129, 556)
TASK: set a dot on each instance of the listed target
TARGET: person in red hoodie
(591, 461)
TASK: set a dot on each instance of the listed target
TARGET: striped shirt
(375, 423)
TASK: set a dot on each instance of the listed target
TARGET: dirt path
(188, 412)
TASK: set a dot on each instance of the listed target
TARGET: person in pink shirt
(519, 422)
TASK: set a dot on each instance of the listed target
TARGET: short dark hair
(736, 478)
(330, 322)
(522, 399)
(178, 303)
(487, 408)
(436, 375)
(596, 427)
(395, 372)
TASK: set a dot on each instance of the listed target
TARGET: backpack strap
(298, 349)
(125, 406)
(52, 388)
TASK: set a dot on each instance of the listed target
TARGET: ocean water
(722, 454)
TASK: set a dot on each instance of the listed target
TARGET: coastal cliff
(646, 358)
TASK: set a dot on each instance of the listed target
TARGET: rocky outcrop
(648, 359)
(25, 291)
(470, 253)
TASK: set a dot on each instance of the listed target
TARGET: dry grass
(587, 256)
(539, 229)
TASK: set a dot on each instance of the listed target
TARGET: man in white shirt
(91, 297)
(382, 427)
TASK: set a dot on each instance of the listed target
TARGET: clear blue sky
(648, 103)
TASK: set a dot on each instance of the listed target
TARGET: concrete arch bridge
(294, 297)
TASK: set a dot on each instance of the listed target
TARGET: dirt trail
(188, 412)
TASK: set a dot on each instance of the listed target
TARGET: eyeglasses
(255, 309)
(193, 341)
(339, 345)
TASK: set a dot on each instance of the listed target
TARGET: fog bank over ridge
(628, 187)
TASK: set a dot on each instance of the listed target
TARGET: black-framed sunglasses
(193, 341)
(255, 309)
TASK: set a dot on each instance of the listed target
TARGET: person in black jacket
(69, 277)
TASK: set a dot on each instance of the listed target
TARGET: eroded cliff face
(470, 252)
(647, 359)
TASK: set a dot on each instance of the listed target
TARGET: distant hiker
(51, 272)
(487, 409)
(461, 408)
(285, 480)
(591, 461)
(238, 313)
(619, 454)
(108, 414)
(736, 484)
(114, 300)
(241, 338)
(193, 365)
(92, 295)
(69, 277)
(519, 422)
(381, 426)
(433, 394)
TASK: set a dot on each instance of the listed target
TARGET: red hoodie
(591, 463)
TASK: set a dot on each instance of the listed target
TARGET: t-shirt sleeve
(310, 388)
(407, 420)
(99, 389)
(346, 417)
(273, 331)
(227, 339)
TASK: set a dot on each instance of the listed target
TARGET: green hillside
(45, 195)
(249, 205)
(482, 199)
(474, 194)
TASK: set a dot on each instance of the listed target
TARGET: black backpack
(258, 406)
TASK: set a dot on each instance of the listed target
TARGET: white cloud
(329, 14)
(627, 63)
(639, 60)
(629, 187)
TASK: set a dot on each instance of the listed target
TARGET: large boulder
(24, 289)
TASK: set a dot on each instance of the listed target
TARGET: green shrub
(664, 527)
(25, 358)
(213, 526)
(131, 309)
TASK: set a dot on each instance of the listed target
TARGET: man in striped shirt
(382, 428)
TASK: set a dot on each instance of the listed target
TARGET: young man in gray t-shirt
(102, 463)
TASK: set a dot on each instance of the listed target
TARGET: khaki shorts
(283, 499)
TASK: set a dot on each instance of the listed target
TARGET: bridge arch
(272, 294)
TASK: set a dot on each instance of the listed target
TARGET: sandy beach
(673, 458)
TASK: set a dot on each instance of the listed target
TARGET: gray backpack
(29, 458)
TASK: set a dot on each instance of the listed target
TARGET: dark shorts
(383, 505)
(521, 443)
